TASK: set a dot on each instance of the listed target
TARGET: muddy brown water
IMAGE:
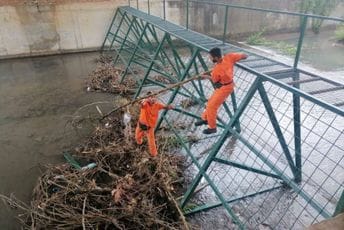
(37, 97)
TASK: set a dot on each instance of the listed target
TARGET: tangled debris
(119, 187)
(162, 79)
(187, 103)
(106, 78)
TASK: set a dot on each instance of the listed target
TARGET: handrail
(303, 17)
(283, 85)
(270, 10)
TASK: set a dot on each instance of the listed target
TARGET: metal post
(182, 78)
(135, 31)
(128, 2)
(297, 131)
(137, 4)
(150, 66)
(236, 220)
(118, 28)
(205, 68)
(149, 44)
(225, 28)
(124, 40)
(297, 189)
(219, 143)
(235, 108)
(107, 34)
(177, 58)
(277, 128)
(134, 52)
(299, 45)
(340, 205)
(179, 61)
(187, 14)
(155, 36)
(207, 207)
(148, 7)
(245, 167)
(164, 6)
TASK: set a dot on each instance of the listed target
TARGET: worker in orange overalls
(148, 118)
(222, 78)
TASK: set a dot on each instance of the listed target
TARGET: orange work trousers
(215, 101)
(139, 134)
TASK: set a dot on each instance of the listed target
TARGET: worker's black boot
(209, 131)
(201, 122)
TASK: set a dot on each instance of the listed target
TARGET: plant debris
(107, 78)
(189, 102)
(162, 79)
(119, 187)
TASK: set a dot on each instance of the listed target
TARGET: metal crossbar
(193, 38)
(280, 144)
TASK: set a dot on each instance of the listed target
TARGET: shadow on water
(37, 96)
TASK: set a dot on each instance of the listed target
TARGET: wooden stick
(154, 94)
(180, 212)
(83, 214)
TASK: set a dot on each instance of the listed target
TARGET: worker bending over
(222, 78)
(149, 114)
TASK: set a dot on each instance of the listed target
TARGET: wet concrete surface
(321, 51)
(37, 97)
(280, 207)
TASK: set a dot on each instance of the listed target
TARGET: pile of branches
(106, 78)
(187, 103)
(162, 79)
(127, 189)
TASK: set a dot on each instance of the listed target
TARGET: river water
(37, 97)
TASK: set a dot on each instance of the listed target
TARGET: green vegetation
(318, 7)
(339, 33)
(257, 39)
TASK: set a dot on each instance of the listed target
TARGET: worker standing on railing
(222, 78)
(148, 118)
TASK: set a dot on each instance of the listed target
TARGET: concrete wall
(209, 19)
(34, 27)
(27, 28)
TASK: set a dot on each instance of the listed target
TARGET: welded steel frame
(142, 32)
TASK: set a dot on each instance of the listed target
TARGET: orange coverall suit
(222, 73)
(148, 116)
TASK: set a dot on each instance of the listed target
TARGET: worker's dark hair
(149, 93)
(215, 52)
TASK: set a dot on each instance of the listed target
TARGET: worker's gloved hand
(170, 107)
(205, 76)
(207, 73)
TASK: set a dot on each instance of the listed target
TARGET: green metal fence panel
(278, 157)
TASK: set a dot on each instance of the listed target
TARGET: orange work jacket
(150, 112)
(223, 72)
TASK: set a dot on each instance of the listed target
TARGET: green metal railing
(303, 17)
(279, 148)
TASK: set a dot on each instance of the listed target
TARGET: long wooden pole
(155, 93)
